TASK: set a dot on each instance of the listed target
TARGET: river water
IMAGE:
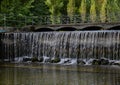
(34, 74)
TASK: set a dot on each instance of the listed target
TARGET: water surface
(34, 74)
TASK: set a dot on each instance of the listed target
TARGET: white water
(84, 45)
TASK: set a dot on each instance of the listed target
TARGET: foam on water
(64, 61)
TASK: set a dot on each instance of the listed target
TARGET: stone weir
(62, 47)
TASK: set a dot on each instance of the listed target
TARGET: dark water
(58, 75)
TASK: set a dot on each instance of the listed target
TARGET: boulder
(67, 61)
(117, 63)
(55, 60)
(111, 63)
(26, 59)
(41, 59)
(104, 62)
(34, 59)
(80, 62)
(96, 62)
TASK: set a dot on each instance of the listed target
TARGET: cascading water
(72, 45)
(77, 47)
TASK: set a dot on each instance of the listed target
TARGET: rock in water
(80, 62)
(55, 60)
(34, 59)
(104, 62)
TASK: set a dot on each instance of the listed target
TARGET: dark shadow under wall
(115, 28)
(43, 30)
(91, 28)
(67, 29)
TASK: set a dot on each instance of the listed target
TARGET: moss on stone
(34, 59)
(55, 60)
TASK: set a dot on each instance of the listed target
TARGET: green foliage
(39, 8)
(6, 6)
(13, 12)
(54, 8)
(88, 10)
(93, 11)
(17, 7)
(71, 8)
(82, 10)
(113, 10)
(103, 16)
(63, 10)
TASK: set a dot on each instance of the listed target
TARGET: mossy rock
(80, 62)
(96, 62)
(41, 59)
(111, 63)
(100, 62)
(104, 62)
(116, 63)
(34, 59)
(55, 60)
(26, 59)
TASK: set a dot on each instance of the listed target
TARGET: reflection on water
(58, 75)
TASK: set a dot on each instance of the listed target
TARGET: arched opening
(43, 30)
(90, 28)
(66, 29)
(115, 28)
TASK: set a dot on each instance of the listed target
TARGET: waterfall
(76, 45)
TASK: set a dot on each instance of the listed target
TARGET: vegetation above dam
(19, 13)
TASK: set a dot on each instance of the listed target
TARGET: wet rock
(80, 62)
(104, 62)
(89, 61)
(100, 62)
(96, 62)
(55, 60)
(41, 59)
(67, 61)
(117, 63)
(34, 59)
(111, 63)
(26, 59)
